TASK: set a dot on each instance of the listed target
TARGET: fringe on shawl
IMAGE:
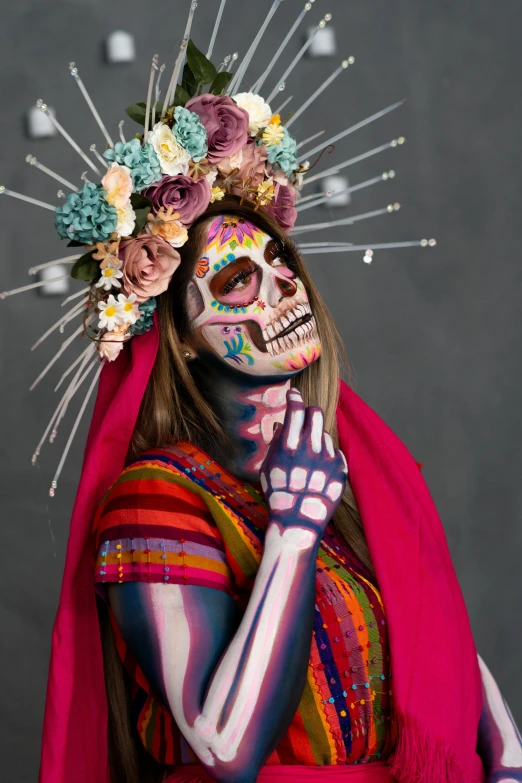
(420, 758)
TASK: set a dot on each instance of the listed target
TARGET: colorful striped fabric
(175, 516)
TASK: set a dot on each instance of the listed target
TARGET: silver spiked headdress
(205, 138)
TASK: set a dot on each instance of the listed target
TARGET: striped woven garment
(174, 516)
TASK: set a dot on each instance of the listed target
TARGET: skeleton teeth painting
(223, 303)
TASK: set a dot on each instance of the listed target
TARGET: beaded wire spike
(98, 217)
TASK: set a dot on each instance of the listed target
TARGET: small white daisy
(110, 314)
(129, 308)
(110, 276)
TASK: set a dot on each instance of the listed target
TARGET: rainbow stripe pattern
(175, 516)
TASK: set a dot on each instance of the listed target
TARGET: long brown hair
(175, 409)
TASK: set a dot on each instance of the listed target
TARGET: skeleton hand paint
(246, 304)
(499, 741)
(303, 477)
(233, 688)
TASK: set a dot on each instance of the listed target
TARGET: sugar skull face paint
(246, 304)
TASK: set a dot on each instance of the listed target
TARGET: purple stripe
(167, 532)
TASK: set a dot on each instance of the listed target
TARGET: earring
(187, 355)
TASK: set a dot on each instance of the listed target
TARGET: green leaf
(181, 98)
(137, 111)
(189, 83)
(141, 220)
(86, 268)
(204, 71)
(74, 243)
(220, 83)
(140, 202)
(233, 244)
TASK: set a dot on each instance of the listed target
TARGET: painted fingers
(303, 476)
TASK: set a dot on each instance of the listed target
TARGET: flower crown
(205, 139)
(192, 152)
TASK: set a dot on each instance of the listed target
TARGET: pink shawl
(437, 682)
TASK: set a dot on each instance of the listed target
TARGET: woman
(216, 600)
(273, 586)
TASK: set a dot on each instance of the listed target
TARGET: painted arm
(233, 685)
(499, 741)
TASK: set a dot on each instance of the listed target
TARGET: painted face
(247, 306)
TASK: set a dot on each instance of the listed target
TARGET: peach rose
(227, 165)
(117, 184)
(174, 233)
(111, 344)
(148, 265)
(166, 225)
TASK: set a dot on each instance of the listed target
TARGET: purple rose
(282, 207)
(226, 125)
(185, 195)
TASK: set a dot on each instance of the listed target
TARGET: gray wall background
(433, 336)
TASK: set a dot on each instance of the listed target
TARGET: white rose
(126, 220)
(258, 110)
(173, 158)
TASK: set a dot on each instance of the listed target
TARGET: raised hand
(303, 477)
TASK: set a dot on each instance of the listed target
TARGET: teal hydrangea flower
(144, 324)
(284, 154)
(86, 216)
(190, 133)
(143, 162)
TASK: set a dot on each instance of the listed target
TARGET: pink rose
(188, 197)
(148, 265)
(225, 122)
(252, 170)
(282, 207)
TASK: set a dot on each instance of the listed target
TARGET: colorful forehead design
(230, 231)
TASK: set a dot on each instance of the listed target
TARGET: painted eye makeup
(239, 280)
(277, 255)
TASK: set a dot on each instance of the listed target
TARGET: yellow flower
(265, 192)
(217, 195)
(276, 120)
(273, 135)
